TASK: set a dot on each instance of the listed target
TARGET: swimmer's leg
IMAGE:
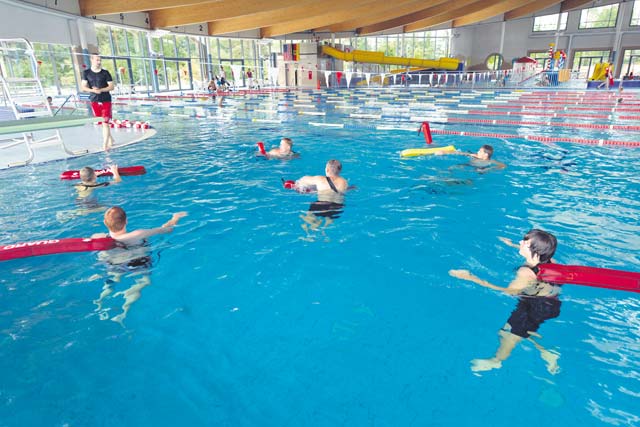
(107, 289)
(550, 357)
(131, 295)
(508, 342)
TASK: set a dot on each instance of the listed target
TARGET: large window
(550, 22)
(599, 17)
(584, 61)
(635, 15)
(630, 62)
(542, 56)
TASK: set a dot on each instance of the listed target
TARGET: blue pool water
(251, 320)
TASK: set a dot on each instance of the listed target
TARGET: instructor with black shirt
(99, 83)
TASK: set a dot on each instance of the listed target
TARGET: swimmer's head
(115, 219)
(334, 167)
(485, 152)
(87, 174)
(286, 144)
(539, 243)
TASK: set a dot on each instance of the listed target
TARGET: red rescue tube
(426, 129)
(55, 246)
(126, 171)
(260, 145)
(589, 276)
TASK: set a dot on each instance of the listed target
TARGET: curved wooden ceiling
(281, 17)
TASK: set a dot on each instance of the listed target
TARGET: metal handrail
(72, 96)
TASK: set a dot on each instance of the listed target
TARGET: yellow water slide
(379, 58)
(600, 71)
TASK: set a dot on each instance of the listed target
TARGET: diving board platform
(39, 146)
(42, 123)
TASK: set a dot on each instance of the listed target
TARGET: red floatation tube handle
(55, 246)
(289, 184)
(589, 276)
(125, 171)
(426, 129)
(260, 145)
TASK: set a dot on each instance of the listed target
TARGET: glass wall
(550, 22)
(584, 61)
(599, 17)
(630, 62)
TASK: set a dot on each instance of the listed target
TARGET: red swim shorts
(102, 109)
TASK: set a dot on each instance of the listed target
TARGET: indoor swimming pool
(257, 312)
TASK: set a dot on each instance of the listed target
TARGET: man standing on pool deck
(538, 301)
(99, 83)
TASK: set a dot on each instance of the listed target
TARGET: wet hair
(288, 141)
(542, 244)
(334, 166)
(488, 149)
(115, 218)
(87, 174)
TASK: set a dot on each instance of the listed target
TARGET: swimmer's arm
(307, 181)
(498, 165)
(457, 152)
(174, 220)
(466, 275)
(524, 278)
(116, 174)
(507, 241)
(99, 235)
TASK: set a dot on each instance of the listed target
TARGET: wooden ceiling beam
(452, 13)
(490, 12)
(528, 9)
(568, 5)
(329, 18)
(427, 13)
(108, 7)
(222, 9)
(267, 19)
(391, 12)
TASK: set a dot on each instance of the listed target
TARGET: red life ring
(126, 171)
(55, 246)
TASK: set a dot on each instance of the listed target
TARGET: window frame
(615, 24)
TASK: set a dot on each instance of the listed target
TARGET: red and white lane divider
(624, 128)
(524, 107)
(554, 115)
(544, 139)
(126, 124)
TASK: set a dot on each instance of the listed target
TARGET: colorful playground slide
(600, 71)
(380, 58)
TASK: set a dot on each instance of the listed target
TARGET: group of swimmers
(538, 301)
(131, 256)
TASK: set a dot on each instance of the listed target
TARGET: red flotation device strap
(589, 276)
(55, 246)
(261, 148)
(426, 129)
(126, 171)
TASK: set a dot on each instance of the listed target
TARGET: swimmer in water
(88, 181)
(131, 257)
(481, 160)
(330, 189)
(284, 151)
(538, 301)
